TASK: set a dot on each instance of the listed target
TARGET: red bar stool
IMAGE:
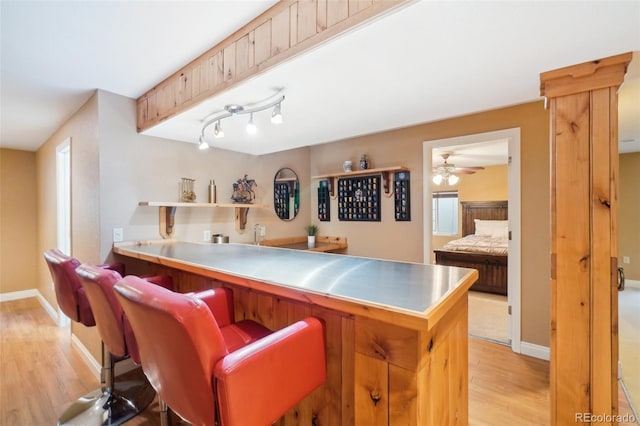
(115, 402)
(69, 292)
(211, 370)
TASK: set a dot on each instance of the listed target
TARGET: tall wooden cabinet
(584, 180)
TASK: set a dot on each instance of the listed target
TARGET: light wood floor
(41, 374)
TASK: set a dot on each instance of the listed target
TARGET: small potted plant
(311, 234)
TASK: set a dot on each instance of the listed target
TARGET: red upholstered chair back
(98, 285)
(180, 343)
(69, 292)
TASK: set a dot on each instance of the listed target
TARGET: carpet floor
(489, 317)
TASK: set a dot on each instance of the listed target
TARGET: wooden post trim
(598, 74)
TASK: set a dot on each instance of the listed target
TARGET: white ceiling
(488, 153)
(424, 62)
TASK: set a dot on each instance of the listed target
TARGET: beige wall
(404, 241)
(629, 214)
(136, 167)
(82, 128)
(490, 184)
(18, 206)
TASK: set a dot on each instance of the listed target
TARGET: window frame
(437, 195)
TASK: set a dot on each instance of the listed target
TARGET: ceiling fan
(448, 172)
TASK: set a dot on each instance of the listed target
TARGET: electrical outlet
(118, 235)
(206, 236)
(626, 260)
(263, 230)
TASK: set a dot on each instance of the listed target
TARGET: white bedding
(479, 244)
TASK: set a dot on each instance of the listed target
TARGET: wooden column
(584, 202)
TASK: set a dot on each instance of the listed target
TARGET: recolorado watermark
(605, 418)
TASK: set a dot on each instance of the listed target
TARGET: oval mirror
(286, 194)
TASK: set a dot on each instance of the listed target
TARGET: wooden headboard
(485, 210)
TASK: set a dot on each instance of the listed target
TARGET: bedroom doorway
(472, 145)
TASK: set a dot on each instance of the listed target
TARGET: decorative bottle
(212, 191)
(364, 162)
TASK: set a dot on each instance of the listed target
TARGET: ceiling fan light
(217, 131)
(276, 115)
(453, 179)
(251, 126)
(437, 179)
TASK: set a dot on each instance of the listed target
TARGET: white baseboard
(91, 362)
(62, 320)
(632, 283)
(15, 295)
(619, 370)
(57, 316)
(536, 351)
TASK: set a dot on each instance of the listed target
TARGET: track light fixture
(231, 110)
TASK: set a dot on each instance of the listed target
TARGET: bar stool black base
(104, 408)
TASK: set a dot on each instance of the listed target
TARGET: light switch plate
(118, 235)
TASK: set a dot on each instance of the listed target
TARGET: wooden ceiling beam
(287, 29)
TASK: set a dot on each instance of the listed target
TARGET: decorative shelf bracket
(241, 218)
(386, 183)
(167, 216)
(167, 213)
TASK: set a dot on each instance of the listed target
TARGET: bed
(488, 257)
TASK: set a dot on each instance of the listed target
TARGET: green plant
(311, 230)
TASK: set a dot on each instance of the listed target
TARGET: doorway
(63, 206)
(512, 141)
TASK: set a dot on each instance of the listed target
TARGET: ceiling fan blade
(463, 172)
(471, 168)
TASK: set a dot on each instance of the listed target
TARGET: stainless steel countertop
(405, 286)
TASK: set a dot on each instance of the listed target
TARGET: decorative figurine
(243, 190)
(364, 162)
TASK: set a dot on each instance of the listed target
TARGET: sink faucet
(259, 231)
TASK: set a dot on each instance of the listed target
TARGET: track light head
(202, 145)
(217, 131)
(251, 126)
(276, 115)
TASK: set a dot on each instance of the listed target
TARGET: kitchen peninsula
(396, 332)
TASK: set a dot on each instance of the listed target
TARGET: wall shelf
(385, 172)
(167, 212)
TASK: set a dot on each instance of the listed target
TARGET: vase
(311, 241)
